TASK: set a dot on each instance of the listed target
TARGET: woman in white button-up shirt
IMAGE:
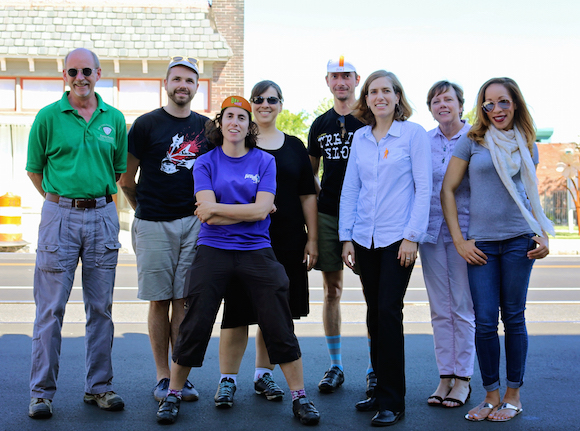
(384, 212)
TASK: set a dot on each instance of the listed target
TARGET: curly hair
(522, 117)
(213, 131)
(362, 111)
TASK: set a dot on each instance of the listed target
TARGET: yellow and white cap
(339, 65)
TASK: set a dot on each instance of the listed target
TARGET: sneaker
(168, 409)
(265, 385)
(189, 393)
(333, 378)
(224, 397)
(305, 411)
(40, 408)
(107, 401)
(160, 389)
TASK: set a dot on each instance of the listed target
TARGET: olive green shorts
(329, 246)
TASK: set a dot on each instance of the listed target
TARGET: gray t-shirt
(494, 216)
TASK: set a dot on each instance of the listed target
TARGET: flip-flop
(506, 406)
(480, 407)
(435, 397)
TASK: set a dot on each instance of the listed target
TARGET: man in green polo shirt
(76, 152)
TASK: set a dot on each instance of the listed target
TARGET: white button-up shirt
(441, 151)
(387, 187)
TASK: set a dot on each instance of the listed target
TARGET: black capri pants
(265, 282)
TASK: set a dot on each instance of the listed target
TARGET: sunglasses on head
(87, 71)
(490, 106)
(259, 100)
(188, 59)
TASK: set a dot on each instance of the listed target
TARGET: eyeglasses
(188, 59)
(490, 106)
(87, 71)
(341, 122)
(271, 100)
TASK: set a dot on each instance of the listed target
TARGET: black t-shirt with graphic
(293, 179)
(327, 140)
(167, 148)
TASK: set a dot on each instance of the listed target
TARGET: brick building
(134, 40)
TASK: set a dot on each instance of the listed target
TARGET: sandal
(482, 406)
(455, 400)
(437, 397)
(506, 406)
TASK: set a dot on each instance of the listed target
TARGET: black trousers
(266, 283)
(384, 283)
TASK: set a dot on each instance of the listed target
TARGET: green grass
(562, 232)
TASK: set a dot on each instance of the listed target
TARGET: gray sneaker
(189, 393)
(40, 408)
(109, 401)
(266, 386)
(224, 397)
(160, 389)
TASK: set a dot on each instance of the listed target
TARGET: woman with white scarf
(507, 232)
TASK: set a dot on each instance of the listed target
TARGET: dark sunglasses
(341, 122)
(271, 100)
(503, 104)
(188, 59)
(87, 71)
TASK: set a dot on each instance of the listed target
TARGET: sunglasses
(87, 71)
(341, 122)
(271, 100)
(490, 106)
(188, 59)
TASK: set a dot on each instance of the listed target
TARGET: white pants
(452, 316)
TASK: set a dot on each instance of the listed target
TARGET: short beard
(180, 102)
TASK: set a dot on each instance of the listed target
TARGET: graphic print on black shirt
(181, 154)
(326, 140)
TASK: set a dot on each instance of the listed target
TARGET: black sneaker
(266, 386)
(168, 409)
(371, 383)
(305, 411)
(333, 378)
(224, 397)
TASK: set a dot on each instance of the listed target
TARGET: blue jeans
(501, 285)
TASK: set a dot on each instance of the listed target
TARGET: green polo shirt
(78, 159)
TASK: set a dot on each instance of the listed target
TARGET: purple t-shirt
(236, 180)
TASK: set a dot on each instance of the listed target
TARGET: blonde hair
(522, 117)
(362, 111)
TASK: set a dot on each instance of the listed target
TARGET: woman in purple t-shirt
(234, 187)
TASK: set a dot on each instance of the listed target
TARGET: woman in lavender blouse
(444, 270)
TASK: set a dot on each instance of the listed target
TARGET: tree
(324, 105)
(470, 116)
(569, 167)
(294, 124)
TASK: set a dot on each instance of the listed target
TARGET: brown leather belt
(78, 203)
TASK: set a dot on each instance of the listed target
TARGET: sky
(535, 42)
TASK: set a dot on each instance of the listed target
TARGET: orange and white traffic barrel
(11, 221)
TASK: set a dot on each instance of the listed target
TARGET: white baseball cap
(339, 65)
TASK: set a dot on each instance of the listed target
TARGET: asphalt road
(549, 394)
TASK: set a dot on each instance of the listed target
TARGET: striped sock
(174, 392)
(300, 393)
(370, 366)
(333, 344)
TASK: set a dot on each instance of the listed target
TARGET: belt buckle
(85, 203)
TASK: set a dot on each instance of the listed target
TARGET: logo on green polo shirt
(107, 133)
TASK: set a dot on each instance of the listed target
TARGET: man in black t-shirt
(330, 138)
(165, 144)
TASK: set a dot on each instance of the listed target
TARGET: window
(201, 100)
(37, 93)
(8, 94)
(139, 95)
(106, 90)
